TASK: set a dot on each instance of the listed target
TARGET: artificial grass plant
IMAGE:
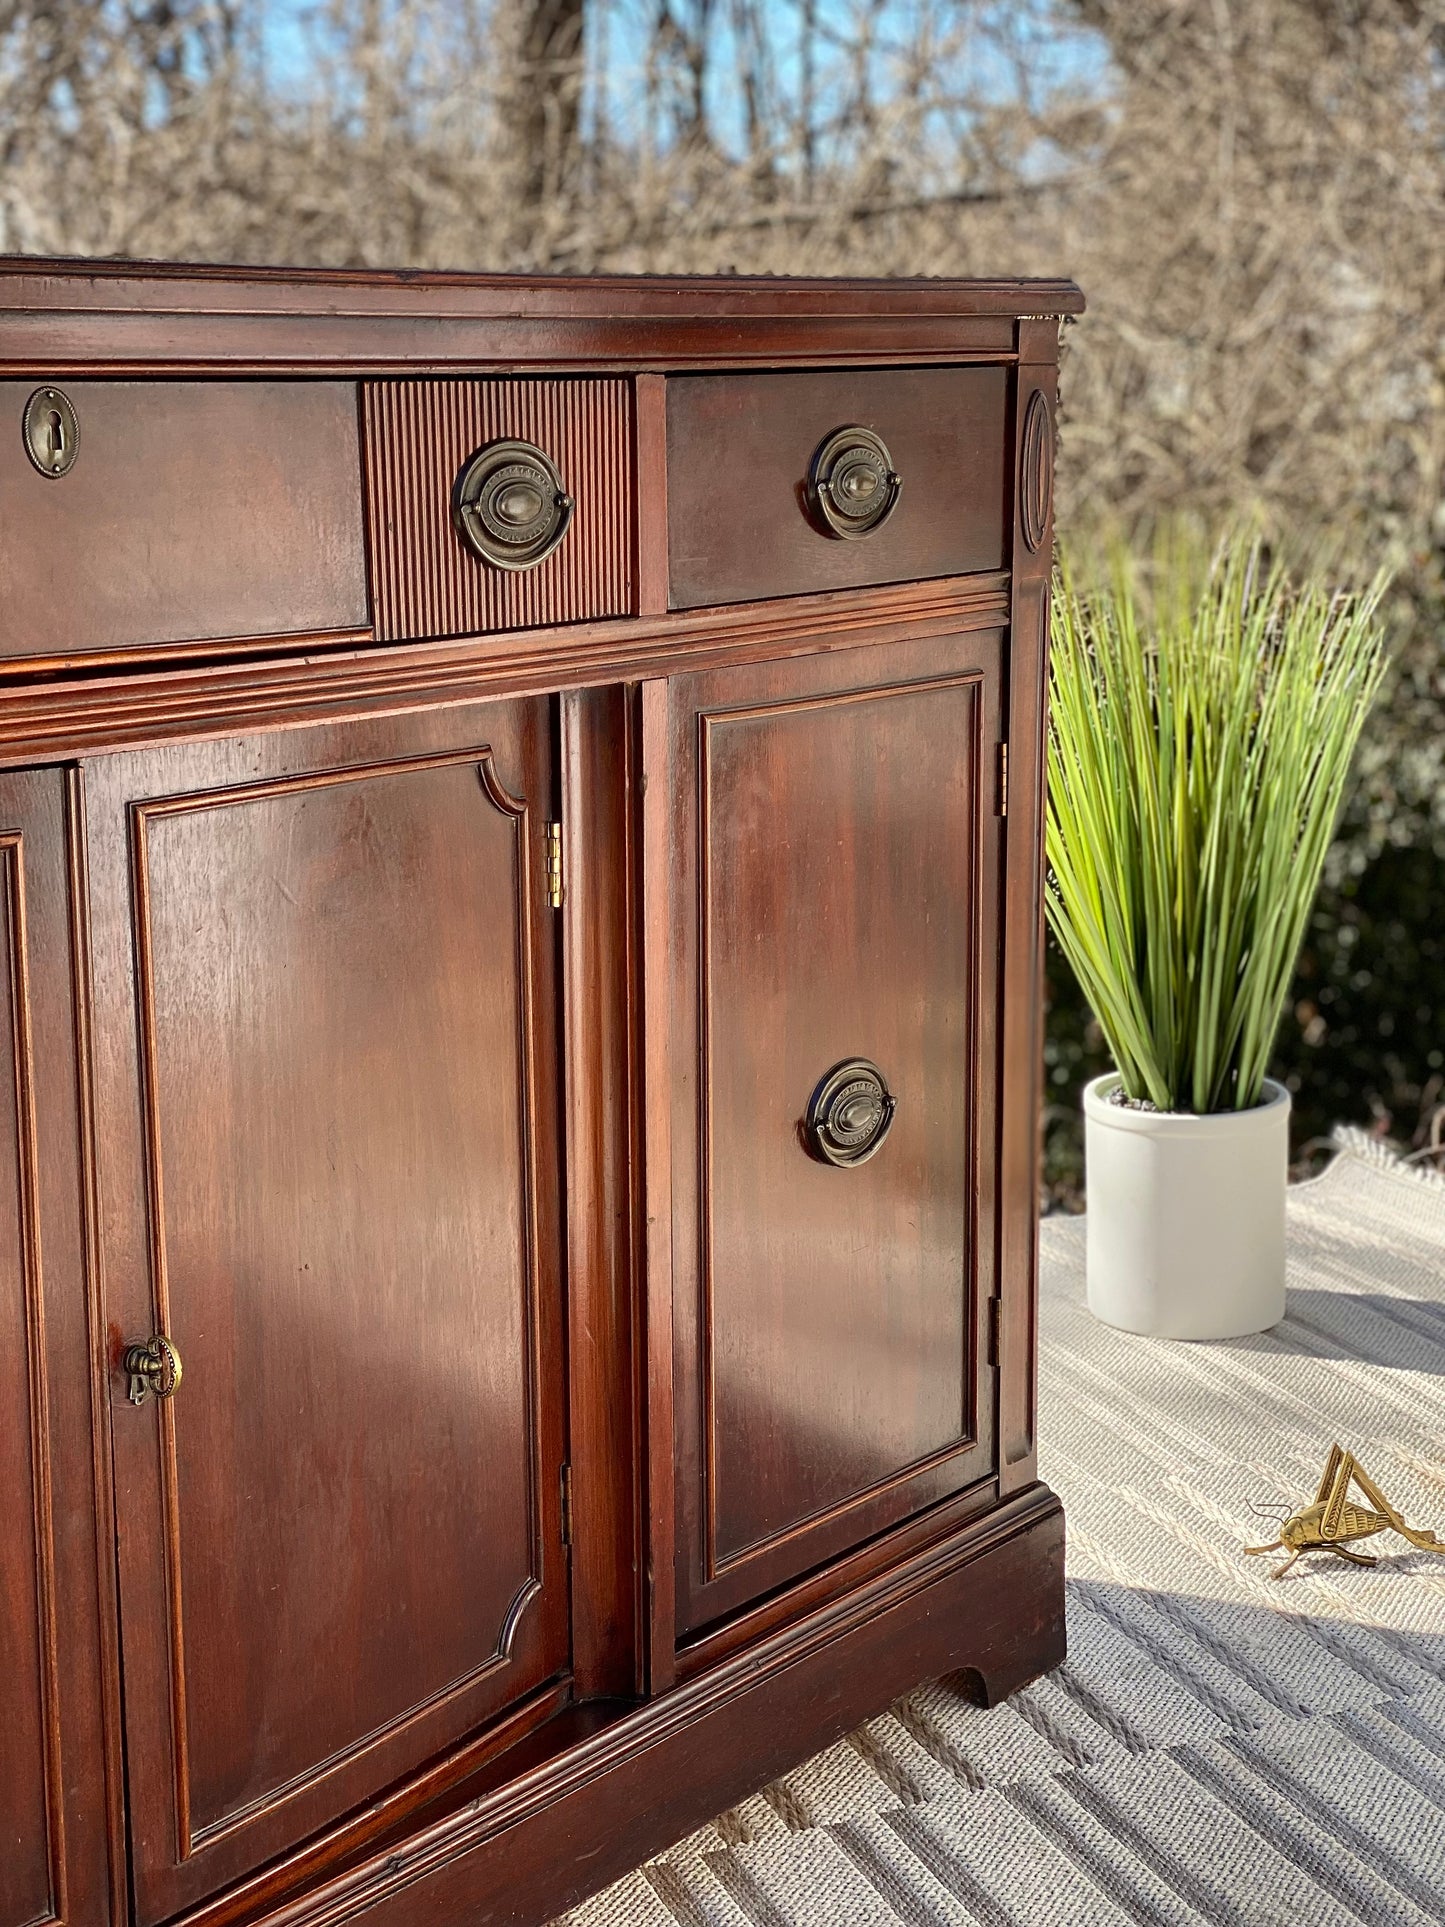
(1204, 712)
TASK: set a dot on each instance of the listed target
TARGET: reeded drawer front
(767, 498)
(421, 435)
(193, 511)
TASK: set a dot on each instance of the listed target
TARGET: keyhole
(51, 432)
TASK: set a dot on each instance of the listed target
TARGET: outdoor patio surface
(1221, 1748)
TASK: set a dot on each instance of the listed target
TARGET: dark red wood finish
(126, 318)
(418, 436)
(560, 1453)
(835, 860)
(40, 721)
(738, 454)
(325, 961)
(607, 1413)
(55, 1760)
(195, 511)
(1023, 928)
(515, 1851)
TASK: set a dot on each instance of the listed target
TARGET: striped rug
(1221, 1749)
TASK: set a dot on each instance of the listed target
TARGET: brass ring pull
(849, 1114)
(153, 1368)
(853, 486)
(510, 506)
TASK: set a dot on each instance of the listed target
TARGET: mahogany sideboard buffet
(520, 818)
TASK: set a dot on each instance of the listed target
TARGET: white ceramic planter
(1186, 1216)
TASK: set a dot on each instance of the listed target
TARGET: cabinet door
(835, 886)
(326, 1070)
(53, 1755)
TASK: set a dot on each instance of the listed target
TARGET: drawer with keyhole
(141, 515)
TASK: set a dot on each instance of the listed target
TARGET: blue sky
(1058, 54)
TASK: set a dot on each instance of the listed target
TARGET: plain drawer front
(739, 449)
(196, 511)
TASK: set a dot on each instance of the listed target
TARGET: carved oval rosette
(1036, 471)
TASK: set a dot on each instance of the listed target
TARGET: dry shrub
(1249, 193)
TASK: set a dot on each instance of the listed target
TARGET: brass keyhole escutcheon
(51, 432)
(853, 486)
(849, 1114)
(510, 506)
(153, 1368)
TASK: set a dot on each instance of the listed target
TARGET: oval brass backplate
(849, 1114)
(510, 506)
(853, 486)
(51, 431)
(153, 1369)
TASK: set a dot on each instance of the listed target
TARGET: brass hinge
(995, 1331)
(1003, 779)
(554, 865)
(566, 1505)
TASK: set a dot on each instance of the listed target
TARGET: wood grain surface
(341, 1541)
(1023, 925)
(739, 449)
(833, 850)
(195, 511)
(57, 316)
(418, 437)
(55, 1782)
(561, 1451)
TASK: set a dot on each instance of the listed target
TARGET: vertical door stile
(57, 1784)
(663, 1074)
(604, 1450)
(1022, 942)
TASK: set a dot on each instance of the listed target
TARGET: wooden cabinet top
(122, 316)
(263, 498)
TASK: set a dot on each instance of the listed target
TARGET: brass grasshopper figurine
(1326, 1525)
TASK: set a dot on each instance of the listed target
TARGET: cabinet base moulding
(604, 1786)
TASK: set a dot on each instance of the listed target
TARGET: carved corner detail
(1036, 472)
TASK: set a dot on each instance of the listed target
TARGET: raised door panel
(324, 964)
(53, 1784)
(837, 874)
